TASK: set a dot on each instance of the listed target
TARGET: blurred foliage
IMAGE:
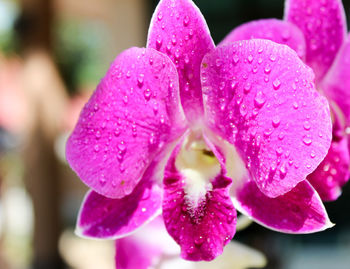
(78, 49)
(8, 15)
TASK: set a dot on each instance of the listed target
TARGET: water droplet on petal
(283, 171)
(260, 99)
(199, 240)
(295, 105)
(276, 84)
(307, 141)
(186, 20)
(247, 87)
(267, 69)
(122, 147)
(250, 58)
(147, 93)
(125, 99)
(276, 121)
(307, 125)
(279, 151)
(160, 16)
(102, 180)
(98, 134)
(159, 42)
(140, 80)
(117, 132)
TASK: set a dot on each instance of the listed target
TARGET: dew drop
(155, 108)
(147, 94)
(279, 151)
(102, 180)
(230, 218)
(307, 141)
(190, 250)
(160, 16)
(312, 154)
(243, 110)
(247, 87)
(283, 171)
(186, 20)
(173, 39)
(235, 59)
(122, 147)
(190, 34)
(281, 135)
(250, 58)
(268, 132)
(199, 240)
(97, 148)
(307, 125)
(267, 69)
(295, 105)
(233, 85)
(140, 80)
(98, 134)
(125, 99)
(276, 84)
(159, 42)
(177, 54)
(276, 121)
(260, 99)
(162, 119)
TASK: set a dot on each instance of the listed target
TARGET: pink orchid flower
(152, 247)
(194, 131)
(316, 30)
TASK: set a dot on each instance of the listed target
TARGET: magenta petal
(298, 211)
(102, 217)
(279, 31)
(324, 26)
(201, 231)
(179, 30)
(149, 247)
(133, 254)
(333, 172)
(132, 116)
(336, 83)
(260, 97)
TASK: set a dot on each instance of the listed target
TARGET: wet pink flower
(192, 131)
(152, 247)
(316, 30)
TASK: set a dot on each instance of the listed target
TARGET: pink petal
(336, 84)
(324, 26)
(298, 211)
(203, 230)
(132, 116)
(333, 172)
(281, 32)
(179, 30)
(147, 248)
(102, 217)
(260, 97)
(132, 254)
